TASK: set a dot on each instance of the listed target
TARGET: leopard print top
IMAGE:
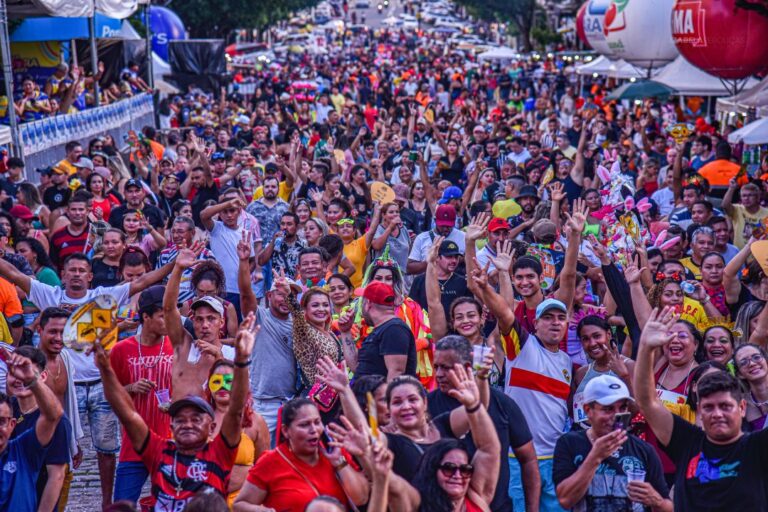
(310, 344)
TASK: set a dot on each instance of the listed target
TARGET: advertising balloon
(637, 31)
(593, 26)
(166, 26)
(580, 24)
(722, 39)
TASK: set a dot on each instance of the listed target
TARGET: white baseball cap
(605, 390)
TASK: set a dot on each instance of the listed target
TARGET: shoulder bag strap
(293, 466)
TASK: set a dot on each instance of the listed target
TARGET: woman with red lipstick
(254, 438)
(301, 467)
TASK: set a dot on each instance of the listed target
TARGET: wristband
(34, 382)
(245, 364)
(474, 409)
(341, 465)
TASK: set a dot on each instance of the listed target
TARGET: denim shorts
(105, 428)
(548, 501)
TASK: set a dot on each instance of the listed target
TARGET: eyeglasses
(754, 358)
(448, 469)
(4, 421)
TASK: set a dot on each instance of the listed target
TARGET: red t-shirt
(207, 469)
(286, 489)
(154, 364)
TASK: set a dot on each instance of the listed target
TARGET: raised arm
(477, 230)
(577, 171)
(727, 203)
(656, 334)
(12, 274)
(26, 371)
(336, 378)
(495, 302)
(575, 225)
(233, 418)
(248, 300)
(731, 281)
(206, 216)
(176, 332)
(157, 275)
(375, 220)
(120, 400)
(437, 320)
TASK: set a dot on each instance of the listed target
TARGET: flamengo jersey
(539, 380)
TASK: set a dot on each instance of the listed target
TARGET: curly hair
(657, 290)
(425, 480)
(210, 270)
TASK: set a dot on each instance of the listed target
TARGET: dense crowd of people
(425, 285)
(69, 90)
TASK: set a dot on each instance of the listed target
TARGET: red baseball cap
(21, 212)
(497, 224)
(378, 293)
(445, 215)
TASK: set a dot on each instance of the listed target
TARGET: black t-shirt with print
(510, 426)
(607, 491)
(392, 338)
(712, 477)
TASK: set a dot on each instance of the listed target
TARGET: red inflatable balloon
(580, 25)
(720, 38)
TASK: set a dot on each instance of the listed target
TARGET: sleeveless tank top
(579, 416)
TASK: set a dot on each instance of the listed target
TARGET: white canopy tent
(500, 53)
(71, 8)
(753, 98)
(689, 80)
(611, 68)
(755, 132)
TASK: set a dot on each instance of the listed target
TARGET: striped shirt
(539, 381)
(185, 286)
(64, 243)
(176, 477)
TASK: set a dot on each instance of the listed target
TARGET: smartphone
(413, 156)
(326, 439)
(621, 420)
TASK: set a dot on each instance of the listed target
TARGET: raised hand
(599, 249)
(505, 256)
(464, 387)
(615, 362)
(346, 319)
(246, 337)
(100, 356)
(244, 246)
(432, 255)
(578, 219)
(185, 258)
(356, 441)
(656, 332)
(557, 192)
(604, 446)
(331, 374)
(480, 274)
(632, 273)
(477, 228)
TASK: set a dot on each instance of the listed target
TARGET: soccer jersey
(539, 380)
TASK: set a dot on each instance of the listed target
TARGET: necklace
(757, 404)
(159, 357)
(442, 282)
(664, 375)
(179, 482)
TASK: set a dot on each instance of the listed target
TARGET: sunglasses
(448, 469)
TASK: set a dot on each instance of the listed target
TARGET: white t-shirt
(423, 242)
(665, 198)
(46, 296)
(224, 242)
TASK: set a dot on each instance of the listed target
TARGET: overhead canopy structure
(688, 80)
(754, 133)
(755, 98)
(64, 29)
(71, 8)
(641, 89)
(500, 53)
(610, 68)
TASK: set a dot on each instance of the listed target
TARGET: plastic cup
(635, 475)
(478, 354)
(163, 399)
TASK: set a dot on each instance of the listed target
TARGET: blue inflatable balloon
(166, 26)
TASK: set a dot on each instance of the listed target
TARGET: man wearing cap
(452, 284)
(445, 226)
(135, 196)
(84, 168)
(498, 232)
(57, 195)
(189, 461)
(605, 467)
(389, 350)
(527, 198)
(538, 378)
(193, 358)
(143, 365)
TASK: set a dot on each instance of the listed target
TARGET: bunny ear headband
(661, 241)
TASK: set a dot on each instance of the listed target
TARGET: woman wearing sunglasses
(752, 366)
(254, 437)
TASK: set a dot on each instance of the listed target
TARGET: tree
(218, 18)
(518, 12)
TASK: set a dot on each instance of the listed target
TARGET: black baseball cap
(134, 182)
(529, 191)
(152, 296)
(448, 248)
(191, 401)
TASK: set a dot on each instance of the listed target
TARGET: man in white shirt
(519, 153)
(445, 221)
